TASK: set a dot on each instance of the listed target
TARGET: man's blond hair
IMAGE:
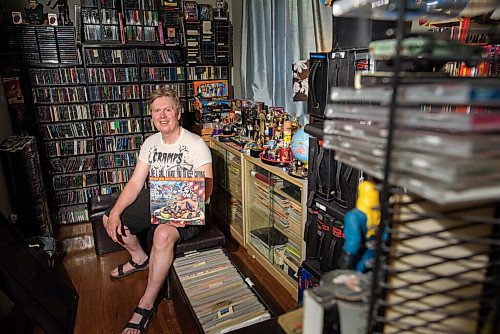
(165, 92)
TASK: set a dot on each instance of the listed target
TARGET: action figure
(63, 9)
(360, 226)
(34, 14)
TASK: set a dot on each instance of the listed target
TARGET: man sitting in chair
(172, 148)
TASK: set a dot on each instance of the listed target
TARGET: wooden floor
(106, 305)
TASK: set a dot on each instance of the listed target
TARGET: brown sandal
(135, 267)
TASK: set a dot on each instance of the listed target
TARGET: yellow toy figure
(360, 226)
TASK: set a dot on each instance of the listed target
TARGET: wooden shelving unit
(227, 199)
(275, 212)
(278, 209)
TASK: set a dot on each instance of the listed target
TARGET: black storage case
(329, 179)
(338, 68)
(333, 69)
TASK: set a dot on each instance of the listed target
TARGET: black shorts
(137, 218)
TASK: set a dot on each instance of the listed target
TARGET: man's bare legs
(160, 260)
(132, 245)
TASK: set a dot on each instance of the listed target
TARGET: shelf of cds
(430, 134)
(115, 104)
(64, 123)
(227, 196)
(274, 212)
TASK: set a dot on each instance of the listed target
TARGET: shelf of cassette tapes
(227, 197)
(101, 21)
(274, 206)
(431, 134)
(141, 21)
(160, 67)
(115, 105)
(64, 122)
(218, 295)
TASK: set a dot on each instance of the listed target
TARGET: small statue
(34, 14)
(63, 9)
(360, 226)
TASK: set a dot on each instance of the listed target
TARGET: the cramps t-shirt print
(170, 164)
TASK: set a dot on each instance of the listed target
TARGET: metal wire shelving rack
(437, 267)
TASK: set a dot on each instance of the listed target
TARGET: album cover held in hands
(177, 200)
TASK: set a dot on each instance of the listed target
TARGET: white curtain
(275, 34)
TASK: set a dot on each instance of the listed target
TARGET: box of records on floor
(219, 296)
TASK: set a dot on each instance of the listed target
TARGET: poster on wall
(211, 89)
(300, 81)
(12, 89)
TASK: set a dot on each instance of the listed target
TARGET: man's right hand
(114, 227)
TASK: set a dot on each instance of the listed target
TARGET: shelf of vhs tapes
(274, 211)
(64, 122)
(227, 196)
(431, 139)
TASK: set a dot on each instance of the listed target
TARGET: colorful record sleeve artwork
(178, 200)
(211, 88)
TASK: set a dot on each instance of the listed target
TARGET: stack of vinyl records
(294, 219)
(236, 211)
(292, 259)
(218, 295)
(234, 176)
(262, 197)
(446, 142)
(280, 207)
